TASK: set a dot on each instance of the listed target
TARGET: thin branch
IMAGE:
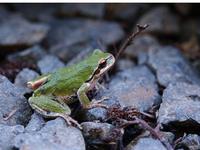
(128, 41)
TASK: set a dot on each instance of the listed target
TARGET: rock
(124, 64)
(49, 63)
(66, 38)
(170, 66)
(54, 135)
(161, 21)
(35, 124)
(135, 87)
(191, 142)
(7, 134)
(37, 11)
(139, 49)
(147, 144)
(180, 106)
(128, 12)
(93, 10)
(13, 101)
(96, 132)
(31, 55)
(23, 77)
(18, 32)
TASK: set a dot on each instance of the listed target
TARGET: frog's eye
(102, 64)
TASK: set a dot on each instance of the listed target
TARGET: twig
(145, 125)
(10, 114)
(128, 41)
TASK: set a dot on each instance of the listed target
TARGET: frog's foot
(97, 103)
(71, 121)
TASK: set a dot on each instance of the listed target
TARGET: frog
(53, 92)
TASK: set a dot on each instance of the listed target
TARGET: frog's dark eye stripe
(102, 64)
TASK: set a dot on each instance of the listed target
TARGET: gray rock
(147, 144)
(93, 10)
(7, 134)
(12, 100)
(140, 47)
(96, 132)
(49, 63)
(124, 64)
(170, 66)
(19, 32)
(31, 55)
(35, 124)
(161, 20)
(181, 103)
(191, 141)
(55, 135)
(66, 37)
(135, 87)
(23, 77)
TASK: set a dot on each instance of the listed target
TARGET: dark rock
(35, 124)
(139, 49)
(93, 10)
(66, 37)
(49, 63)
(18, 32)
(128, 12)
(147, 144)
(181, 103)
(54, 135)
(96, 132)
(7, 134)
(23, 77)
(11, 100)
(170, 66)
(161, 20)
(191, 141)
(31, 55)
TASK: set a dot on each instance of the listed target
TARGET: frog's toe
(71, 121)
(97, 103)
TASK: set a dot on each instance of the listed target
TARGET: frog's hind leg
(48, 107)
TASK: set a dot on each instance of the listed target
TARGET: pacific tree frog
(53, 91)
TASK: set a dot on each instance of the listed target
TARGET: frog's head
(105, 62)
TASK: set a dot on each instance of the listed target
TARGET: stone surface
(66, 37)
(96, 132)
(7, 134)
(147, 144)
(181, 103)
(140, 47)
(124, 64)
(12, 99)
(35, 124)
(19, 32)
(32, 55)
(170, 66)
(191, 141)
(49, 63)
(135, 87)
(23, 77)
(161, 20)
(87, 9)
(55, 135)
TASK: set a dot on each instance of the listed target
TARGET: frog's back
(66, 81)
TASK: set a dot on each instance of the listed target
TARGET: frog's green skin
(54, 91)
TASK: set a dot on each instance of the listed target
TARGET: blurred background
(65, 30)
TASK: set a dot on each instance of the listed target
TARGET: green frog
(54, 91)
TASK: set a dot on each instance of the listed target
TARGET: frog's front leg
(84, 100)
(48, 107)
